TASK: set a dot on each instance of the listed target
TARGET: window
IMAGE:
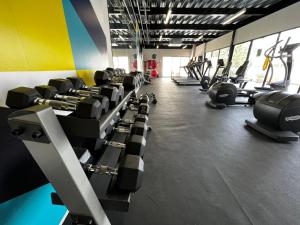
(121, 62)
(239, 56)
(214, 61)
(208, 55)
(257, 57)
(173, 66)
(224, 53)
(183, 62)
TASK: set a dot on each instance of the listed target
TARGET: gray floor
(202, 166)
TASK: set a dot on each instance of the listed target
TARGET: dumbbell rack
(68, 176)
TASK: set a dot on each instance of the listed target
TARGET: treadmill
(188, 70)
(197, 68)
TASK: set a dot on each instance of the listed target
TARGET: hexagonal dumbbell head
(21, 97)
(77, 82)
(139, 128)
(144, 99)
(143, 109)
(112, 93)
(101, 77)
(89, 108)
(141, 118)
(130, 173)
(135, 145)
(48, 92)
(130, 83)
(62, 85)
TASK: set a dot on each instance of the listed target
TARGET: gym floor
(202, 166)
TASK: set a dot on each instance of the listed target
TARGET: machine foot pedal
(280, 136)
(215, 105)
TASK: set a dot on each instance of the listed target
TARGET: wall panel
(34, 36)
(220, 42)
(281, 20)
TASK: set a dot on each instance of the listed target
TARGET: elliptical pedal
(280, 136)
(215, 105)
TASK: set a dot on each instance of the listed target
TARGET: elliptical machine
(285, 52)
(277, 113)
(206, 82)
(223, 94)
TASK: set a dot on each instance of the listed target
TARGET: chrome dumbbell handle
(116, 144)
(100, 169)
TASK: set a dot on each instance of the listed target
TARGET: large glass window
(224, 53)
(239, 56)
(208, 55)
(121, 62)
(214, 61)
(173, 66)
(278, 68)
(257, 57)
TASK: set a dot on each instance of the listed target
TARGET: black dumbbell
(111, 92)
(104, 77)
(50, 92)
(129, 172)
(134, 145)
(134, 100)
(66, 87)
(137, 118)
(138, 77)
(136, 128)
(152, 97)
(142, 108)
(23, 97)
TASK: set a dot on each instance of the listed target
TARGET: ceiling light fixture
(174, 45)
(184, 47)
(168, 15)
(114, 44)
(121, 38)
(130, 46)
(160, 38)
(157, 46)
(235, 16)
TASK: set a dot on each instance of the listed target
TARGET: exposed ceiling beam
(161, 42)
(166, 47)
(198, 11)
(171, 36)
(211, 27)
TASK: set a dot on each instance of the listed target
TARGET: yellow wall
(34, 36)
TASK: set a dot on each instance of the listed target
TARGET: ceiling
(190, 21)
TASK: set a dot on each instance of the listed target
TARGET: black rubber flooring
(202, 166)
